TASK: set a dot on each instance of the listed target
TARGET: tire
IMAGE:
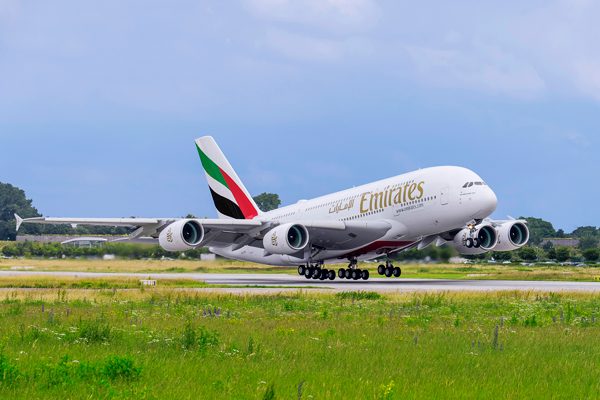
(388, 272)
(365, 275)
(348, 273)
(332, 275)
(397, 272)
(476, 243)
(381, 269)
(469, 243)
(301, 270)
(341, 273)
(317, 273)
(356, 274)
(309, 272)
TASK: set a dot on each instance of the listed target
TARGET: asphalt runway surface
(277, 282)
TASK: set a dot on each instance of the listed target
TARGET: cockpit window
(479, 183)
(470, 184)
(465, 185)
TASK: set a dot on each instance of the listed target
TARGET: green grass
(187, 345)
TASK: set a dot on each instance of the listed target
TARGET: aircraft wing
(324, 234)
(145, 227)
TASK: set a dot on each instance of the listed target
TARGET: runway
(259, 282)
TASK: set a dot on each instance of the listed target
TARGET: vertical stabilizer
(231, 198)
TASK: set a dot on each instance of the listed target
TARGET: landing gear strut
(389, 270)
(353, 272)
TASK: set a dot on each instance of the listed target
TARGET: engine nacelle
(286, 239)
(477, 241)
(182, 235)
(512, 236)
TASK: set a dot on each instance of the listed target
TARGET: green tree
(267, 201)
(563, 254)
(585, 231)
(14, 201)
(588, 242)
(551, 253)
(502, 255)
(528, 254)
(591, 254)
(539, 230)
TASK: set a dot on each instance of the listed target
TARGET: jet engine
(512, 236)
(476, 240)
(286, 239)
(182, 235)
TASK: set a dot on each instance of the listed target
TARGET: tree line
(14, 200)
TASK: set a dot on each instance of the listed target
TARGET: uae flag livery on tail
(231, 198)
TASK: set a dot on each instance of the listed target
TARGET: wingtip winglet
(19, 221)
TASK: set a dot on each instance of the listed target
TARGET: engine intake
(512, 236)
(286, 239)
(182, 235)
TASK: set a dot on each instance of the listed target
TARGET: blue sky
(100, 102)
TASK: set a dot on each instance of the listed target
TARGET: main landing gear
(318, 272)
(389, 270)
(352, 272)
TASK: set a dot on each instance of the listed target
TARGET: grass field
(157, 343)
(437, 271)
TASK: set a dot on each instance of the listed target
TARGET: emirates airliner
(433, 206)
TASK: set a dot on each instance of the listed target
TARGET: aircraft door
(445, 196)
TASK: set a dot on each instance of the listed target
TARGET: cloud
(331, 15)
(476, 66)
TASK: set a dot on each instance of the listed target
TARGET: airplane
(432, 206)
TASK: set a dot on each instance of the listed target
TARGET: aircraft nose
(489, 200)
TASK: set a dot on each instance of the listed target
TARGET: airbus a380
(433, 206)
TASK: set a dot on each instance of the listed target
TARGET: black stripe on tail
(226, 206)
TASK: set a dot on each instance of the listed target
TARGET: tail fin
(231, 198)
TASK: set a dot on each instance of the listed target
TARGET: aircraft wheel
(317, 273)
(302, 270)
(389, 271)
(365, 275)
(381, 269)
(397, 272)
(469, 243)
(356, 274)
(332, 275)
(348, 273)
(476, 243)
(309, 273)
(341, 273)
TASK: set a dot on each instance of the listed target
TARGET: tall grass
(163, 344)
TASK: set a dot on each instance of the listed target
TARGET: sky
(100, 101)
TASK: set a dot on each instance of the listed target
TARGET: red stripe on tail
(240, 197)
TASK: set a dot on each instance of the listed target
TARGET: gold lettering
(398, 198)
(378, 197)
(421, 190)
(362, 201)
(411, 190)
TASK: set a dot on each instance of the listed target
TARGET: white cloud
(302, 47)
(331, 15)
(480, 67)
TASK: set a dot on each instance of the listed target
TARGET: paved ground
(376, 284)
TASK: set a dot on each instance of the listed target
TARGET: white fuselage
(418, 204)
